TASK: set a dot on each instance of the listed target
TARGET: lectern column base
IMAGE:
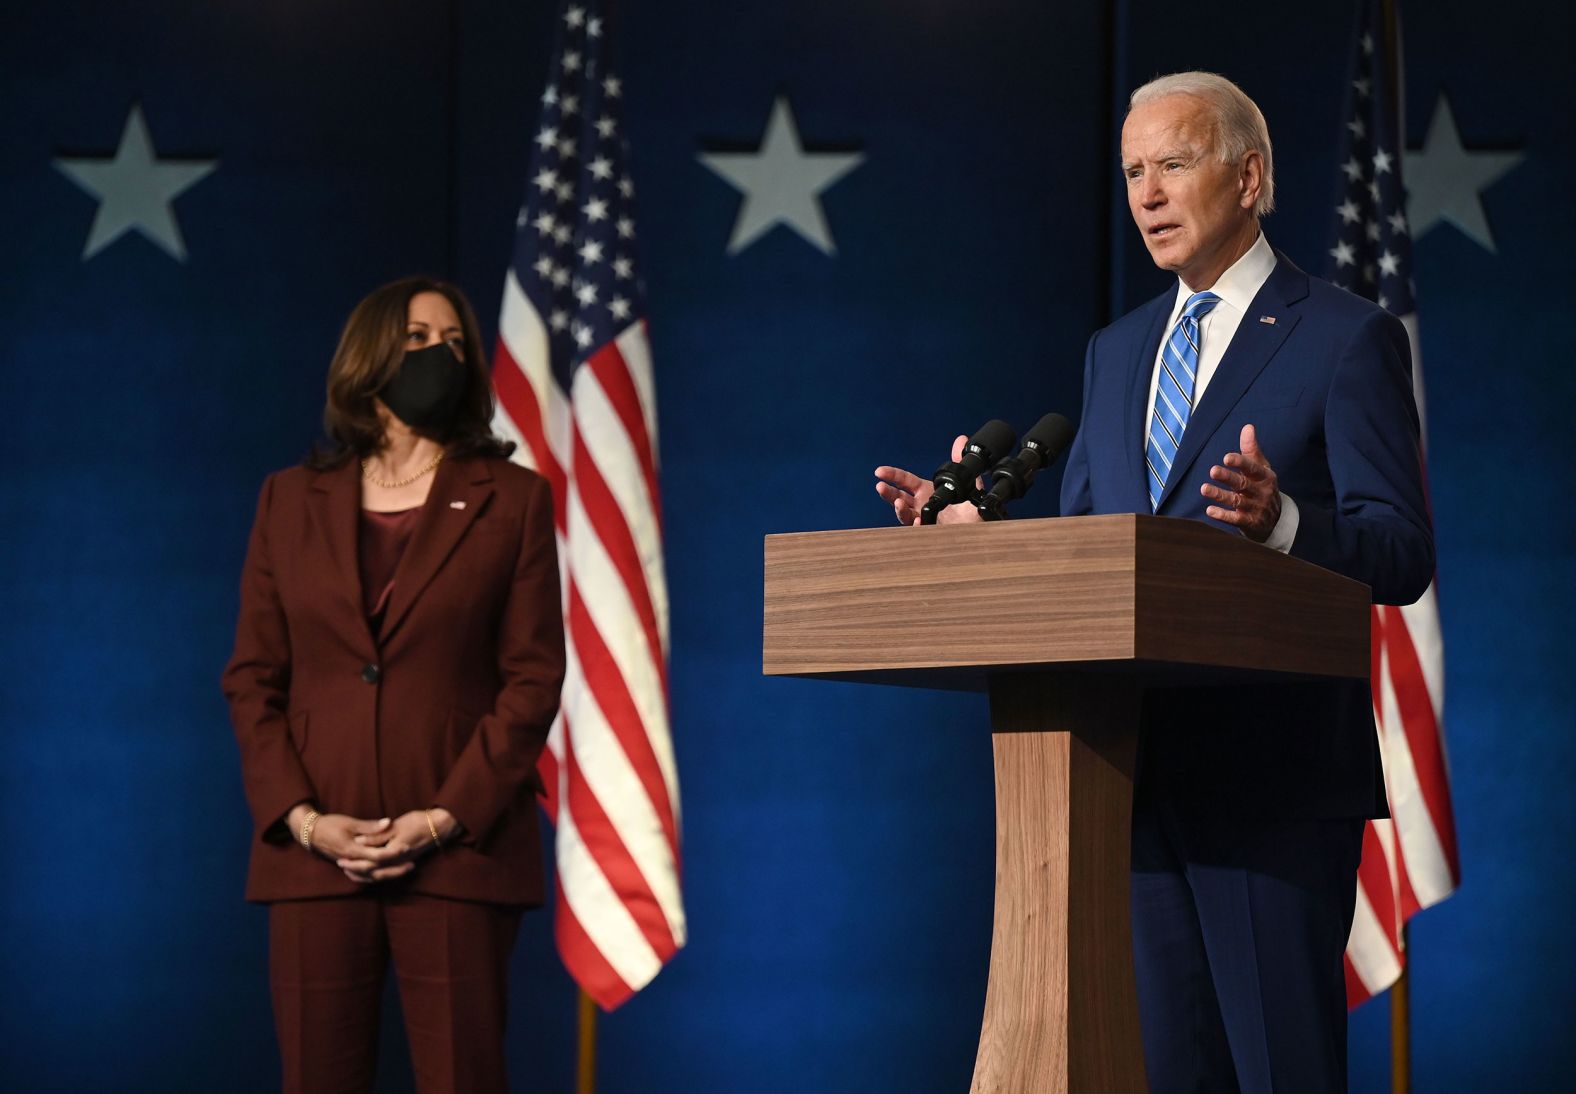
(1061, 1012)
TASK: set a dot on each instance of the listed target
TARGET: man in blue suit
(1250, 802)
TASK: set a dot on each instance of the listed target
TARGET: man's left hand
(1248, 491)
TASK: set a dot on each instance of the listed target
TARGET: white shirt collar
(1242, 282)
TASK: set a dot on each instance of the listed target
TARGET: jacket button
(370, 674)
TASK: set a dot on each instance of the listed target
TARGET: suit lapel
(460, 491)
(1251, 349)
(1138, 378)
(336, 511)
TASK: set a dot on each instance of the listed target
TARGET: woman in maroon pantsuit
(397, 664)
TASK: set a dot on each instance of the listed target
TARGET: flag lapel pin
(1270, 319)
(456, 505)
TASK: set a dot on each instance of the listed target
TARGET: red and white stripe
(612, 783)
(1410, 861)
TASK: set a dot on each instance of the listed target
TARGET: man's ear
(1250, 179)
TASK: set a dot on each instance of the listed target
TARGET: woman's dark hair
(371, 348)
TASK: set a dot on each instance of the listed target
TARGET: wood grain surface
(1061, 1011)
(895, 603)
(1065, 621)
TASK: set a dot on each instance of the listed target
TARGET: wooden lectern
(1064, 622)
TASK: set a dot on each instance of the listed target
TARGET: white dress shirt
(1236, 288)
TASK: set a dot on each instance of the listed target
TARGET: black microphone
(954, 480)
(1012, 477)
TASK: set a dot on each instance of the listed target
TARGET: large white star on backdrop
(781, 183)
(1445, 182)
(134, 189)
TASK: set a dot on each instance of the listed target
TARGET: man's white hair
(1238, 123)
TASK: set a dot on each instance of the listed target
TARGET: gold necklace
(366, 473)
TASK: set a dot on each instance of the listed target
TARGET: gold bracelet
(308, 822)
(432, 828)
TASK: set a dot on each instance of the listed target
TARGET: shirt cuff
(1285, 530)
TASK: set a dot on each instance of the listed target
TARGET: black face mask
(428, 387)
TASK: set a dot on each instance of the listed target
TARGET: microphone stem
(990, 507)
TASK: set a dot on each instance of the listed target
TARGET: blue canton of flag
(574, 255)
(1372, 256)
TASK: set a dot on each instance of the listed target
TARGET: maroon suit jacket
(450, 706)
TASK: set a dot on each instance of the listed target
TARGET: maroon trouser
(327, 960)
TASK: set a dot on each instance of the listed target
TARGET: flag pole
(1401, 1026)
(585, 1066)
(1400, 991)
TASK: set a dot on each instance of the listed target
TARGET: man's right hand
(908, 493)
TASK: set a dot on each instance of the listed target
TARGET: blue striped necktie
(1174, 392)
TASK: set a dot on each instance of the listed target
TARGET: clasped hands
(1247, 495)
(376, 850)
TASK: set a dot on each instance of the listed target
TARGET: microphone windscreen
(995, 437)
(1051, 434)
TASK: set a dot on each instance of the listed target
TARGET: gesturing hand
(908, 493)
(1249, 496)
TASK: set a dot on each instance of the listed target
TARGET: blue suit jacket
(1328, 386)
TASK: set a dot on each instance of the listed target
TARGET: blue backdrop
(838, 839)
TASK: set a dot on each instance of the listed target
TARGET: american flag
(1410, 861)
(574, 380)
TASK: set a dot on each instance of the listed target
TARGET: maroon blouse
(383, 540)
